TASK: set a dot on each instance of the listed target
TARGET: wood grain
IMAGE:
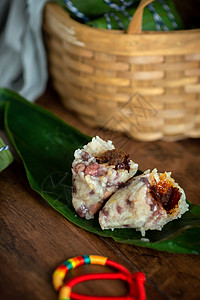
(35, 239)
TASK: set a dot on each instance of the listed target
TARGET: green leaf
(46, 145)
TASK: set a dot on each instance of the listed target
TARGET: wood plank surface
(35, 239)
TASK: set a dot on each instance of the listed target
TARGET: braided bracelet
(135, 281)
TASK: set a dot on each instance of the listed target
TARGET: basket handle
(135, 25)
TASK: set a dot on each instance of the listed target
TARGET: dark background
(189, 11)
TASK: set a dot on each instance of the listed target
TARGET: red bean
(92, 169)
(119, 209)
(95, 207)
(85, 156)
(79, 168)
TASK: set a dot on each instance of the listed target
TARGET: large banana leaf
(46, 145)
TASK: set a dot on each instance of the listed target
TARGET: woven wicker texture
(146, 85)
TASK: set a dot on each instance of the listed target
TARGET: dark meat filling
(115, 157)
(168, 199)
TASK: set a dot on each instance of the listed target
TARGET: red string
(117, 266)
(75, 296)
(135, 281)
(135, 291)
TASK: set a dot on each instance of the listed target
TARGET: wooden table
(35, 239)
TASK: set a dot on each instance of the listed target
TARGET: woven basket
(146, 84)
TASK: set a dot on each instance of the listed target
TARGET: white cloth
(23, 66)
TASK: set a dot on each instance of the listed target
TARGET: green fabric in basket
(5, 156)
(90, 8)
(116, 14)
(149, 23)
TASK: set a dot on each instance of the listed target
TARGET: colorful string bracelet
(135, 281)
